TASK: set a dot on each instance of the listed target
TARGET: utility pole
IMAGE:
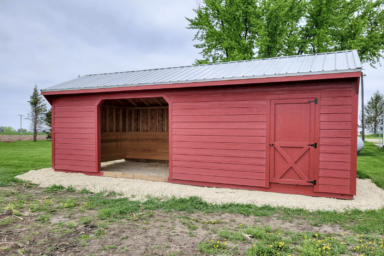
(382, 129)
(21, 124)
(362, 107)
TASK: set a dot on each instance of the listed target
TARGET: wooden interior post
(157, 120)
(126, 120)
(133, 120)
(107, 118)
(121, 120)
(114, 119)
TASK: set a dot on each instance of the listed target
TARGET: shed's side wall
(74, 134)
(338, 134)
(219, 138)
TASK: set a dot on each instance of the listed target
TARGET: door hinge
(312, 181)
(313, 145)
(314, 101)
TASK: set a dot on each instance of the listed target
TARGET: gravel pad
(152, 169)
(369, 196)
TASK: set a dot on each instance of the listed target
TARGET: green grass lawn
(24, 133)
(21, 156)
(370, 164)
(370, 136)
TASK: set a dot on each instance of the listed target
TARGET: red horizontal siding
(75, 141)
(74, 130)
(335, 149)
(76, 114)
(216, 179)
(59, 161)
(219, 135)
(334, 173)
(84, 119)
(335, 157)
(219, 159)
(236, 118)
(335, 134)
(225, 132)
(74, 108)
(88, 158)
(76, 125)
(218, 111)
(69, 167)
(219, 152)
(335, 101)
(219, 145)
(335, 117)
(220, 173)
(74, 135)
(335, 125)
(334, 181)
(335, 109)
(221, 166)
(74, 101)
(219, 96)
(79, 152)
(234, 139)
(335, 93)
(334, 189)
(335, 165)
(220, 104)
(75, 146)
(335, 141)
(223, 125)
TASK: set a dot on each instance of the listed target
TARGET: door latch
(271, 144)
(312, 181)
(313, 145)
(314, 101)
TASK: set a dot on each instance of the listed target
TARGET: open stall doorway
(135, 138)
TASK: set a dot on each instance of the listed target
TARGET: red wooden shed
(284, 124)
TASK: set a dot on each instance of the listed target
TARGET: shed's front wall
(220, 136)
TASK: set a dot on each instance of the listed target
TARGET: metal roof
(322, 63)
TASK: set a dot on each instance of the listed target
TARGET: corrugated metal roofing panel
(334, 62)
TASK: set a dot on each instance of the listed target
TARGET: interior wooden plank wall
(123, 119)
(134, 145)
(134, 133)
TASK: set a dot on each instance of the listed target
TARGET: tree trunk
(35, 128)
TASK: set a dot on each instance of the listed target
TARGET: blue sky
(47, 42)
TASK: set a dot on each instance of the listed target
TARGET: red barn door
(292, 142)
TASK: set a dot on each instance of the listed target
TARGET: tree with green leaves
(230, 30)
(226, 31)
(374, 112)
(37, 114)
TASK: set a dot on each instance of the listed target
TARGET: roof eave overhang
(202, 83)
